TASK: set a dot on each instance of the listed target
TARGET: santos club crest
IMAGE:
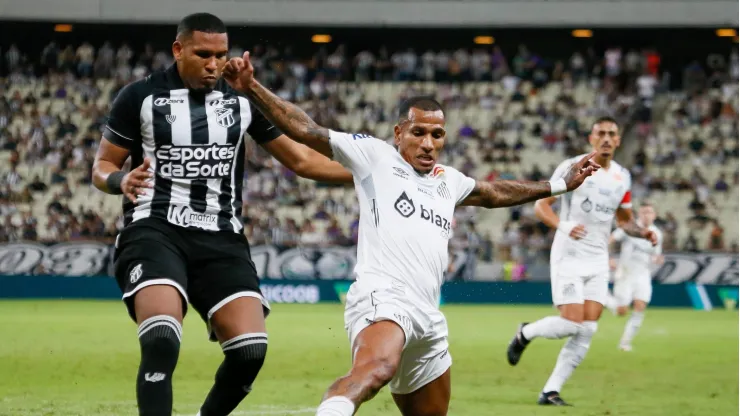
(225, 117)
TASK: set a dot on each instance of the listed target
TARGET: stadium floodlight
(319, 38)
(726, 33)
(582, 33)
(483, 40)
(64, 28)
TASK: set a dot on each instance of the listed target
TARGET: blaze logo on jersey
(404, 205)
(438, 171)
(225, 117)
(436, 219)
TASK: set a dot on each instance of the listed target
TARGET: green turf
(80, 358)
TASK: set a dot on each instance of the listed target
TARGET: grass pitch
(80, 358)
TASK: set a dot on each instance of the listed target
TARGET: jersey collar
(173, 76)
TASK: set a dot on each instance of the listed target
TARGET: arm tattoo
(632, 229)
(287, 117)
(507, 193)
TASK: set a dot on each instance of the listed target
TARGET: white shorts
(632, 285)
(570, 285)
(425, 354)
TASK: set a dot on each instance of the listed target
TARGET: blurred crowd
(81, 81)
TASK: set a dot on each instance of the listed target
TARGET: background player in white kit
(407, 202)
(633, 277)
(579, 259)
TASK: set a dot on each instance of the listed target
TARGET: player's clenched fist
(239, 72)
(137, 181)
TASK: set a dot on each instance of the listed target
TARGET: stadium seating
(487, 121)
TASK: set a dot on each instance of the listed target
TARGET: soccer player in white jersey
(579, 259)
(633, 280)
(397, 333)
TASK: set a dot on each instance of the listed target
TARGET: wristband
(567, 226)
(114, 182)
(558, 187)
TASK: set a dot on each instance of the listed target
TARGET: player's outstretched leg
(551, 327)
(159, 311)
(239, 326)
(431, 400)
(573, 352)
(633, 325)
(377, 352)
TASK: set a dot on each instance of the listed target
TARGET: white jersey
(636, 254)
(594, 204)
(405, 217)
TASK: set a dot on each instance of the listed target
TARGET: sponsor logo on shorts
(186, 217)
(195, 162)
(136, 273)
(404, 321)
(569, 289)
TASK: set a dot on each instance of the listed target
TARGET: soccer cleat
(625, 347)
(551, 398)
(517, 346)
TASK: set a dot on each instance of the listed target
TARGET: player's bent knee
(160, 337)
(158, 300)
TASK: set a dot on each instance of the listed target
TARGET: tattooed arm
(287, 117)
(626, 221)
(499, 194)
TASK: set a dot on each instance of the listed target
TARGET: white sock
(611, 303)
(571, 355)
(631, 328)
(551, 327)
(336, 406)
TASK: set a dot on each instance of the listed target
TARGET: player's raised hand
(239, 72)
(137, 181)
(580, 171)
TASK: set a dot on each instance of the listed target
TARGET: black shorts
(208, 268)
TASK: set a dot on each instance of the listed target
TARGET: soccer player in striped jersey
(184, 129)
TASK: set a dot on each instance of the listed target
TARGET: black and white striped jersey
(196, 144)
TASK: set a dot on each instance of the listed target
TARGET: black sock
(159, 337)
(243, 358)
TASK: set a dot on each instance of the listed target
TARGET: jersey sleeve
(356, 152)
(461, 184)
(561, 170)
(619, 235)
(123, 127)
(626, 202)
(260, 128)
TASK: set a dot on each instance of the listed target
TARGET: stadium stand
(508, 117)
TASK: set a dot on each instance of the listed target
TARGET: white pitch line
(276, 411)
